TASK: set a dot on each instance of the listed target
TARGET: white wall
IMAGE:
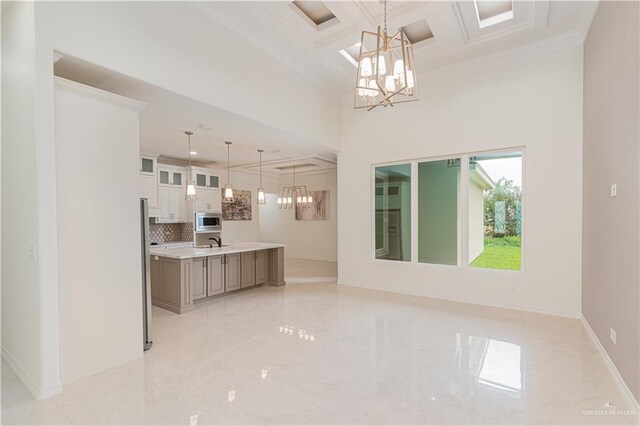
(97, 182)
(22, 318)
(535, 103)
(234, 231)
(305, 239)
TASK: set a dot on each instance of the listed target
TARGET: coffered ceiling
(461, 33)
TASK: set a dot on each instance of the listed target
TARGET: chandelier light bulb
(362, 83)
(410, 82)
(310, 199)
(390, 83)
(365, 67)
(398, 68)
(382, 66)
(374, 89)
(279, 201)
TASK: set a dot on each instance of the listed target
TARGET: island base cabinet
(199, 278)
(262, 266)
(248, 276)
(172, 284)
(215, 281)
(232, 271)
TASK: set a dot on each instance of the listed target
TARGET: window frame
(463, 203)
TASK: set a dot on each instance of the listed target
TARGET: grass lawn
(500, 253)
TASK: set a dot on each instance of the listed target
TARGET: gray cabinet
(215, 280)
(172, 283)
(262, 266)
(248, 269)
(157, 277)
(232, 271)
(199, 278)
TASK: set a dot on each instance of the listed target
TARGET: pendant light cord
(189, 136)
(228, 164)
(260, 151)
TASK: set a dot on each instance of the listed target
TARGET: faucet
(217, 240)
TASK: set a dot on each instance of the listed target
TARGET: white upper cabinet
(172, 204)
(148, 184)
(171, 176)
(207, 191)
(204, 178)
(148, 165)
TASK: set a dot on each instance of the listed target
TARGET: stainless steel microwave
(207, 222)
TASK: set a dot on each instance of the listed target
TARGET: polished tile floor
(321, 354)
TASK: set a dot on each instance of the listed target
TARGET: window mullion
(414, 212)
(463, 214)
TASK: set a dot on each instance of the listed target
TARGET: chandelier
(294, 195)
(386, 72)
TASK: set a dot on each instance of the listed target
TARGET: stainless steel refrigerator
(146, 274)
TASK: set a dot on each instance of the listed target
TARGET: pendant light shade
(191, 185)
(262, 199)
(228, 190)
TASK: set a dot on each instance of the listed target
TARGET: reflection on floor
(323, 354)
(310, 271)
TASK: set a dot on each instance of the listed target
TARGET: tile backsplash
(170, 232)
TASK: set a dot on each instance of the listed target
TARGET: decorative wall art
(319, 208)
(240, 209)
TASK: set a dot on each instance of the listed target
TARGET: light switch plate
(613, 336)
(614, 189)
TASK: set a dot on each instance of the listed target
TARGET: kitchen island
(180, 276)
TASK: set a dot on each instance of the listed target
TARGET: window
(464, 211)
(393, 212)
(438, 212)
(495, 211)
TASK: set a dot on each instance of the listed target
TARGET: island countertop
(192, 252)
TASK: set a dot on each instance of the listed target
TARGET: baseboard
(512, 307)
(622, 386)
(37, 392)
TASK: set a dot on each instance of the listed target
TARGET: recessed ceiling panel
(492, 12)
(418, 31)
(316, 11)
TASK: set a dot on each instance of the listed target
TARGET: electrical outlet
(613, 336)
(614, 189)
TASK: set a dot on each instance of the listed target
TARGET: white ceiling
(167, 115)
(280, 29)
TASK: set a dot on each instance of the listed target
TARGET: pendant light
(228, 191)
(191, 185)
(386, 71)
(294, 195)
(262, 199)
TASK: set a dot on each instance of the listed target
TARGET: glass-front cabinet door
(147, 165)
(164, 178)
(201, 180)
(214, 181)
(176, 178)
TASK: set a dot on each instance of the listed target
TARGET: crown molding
(97, 94)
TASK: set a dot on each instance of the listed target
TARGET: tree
(511, 195)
